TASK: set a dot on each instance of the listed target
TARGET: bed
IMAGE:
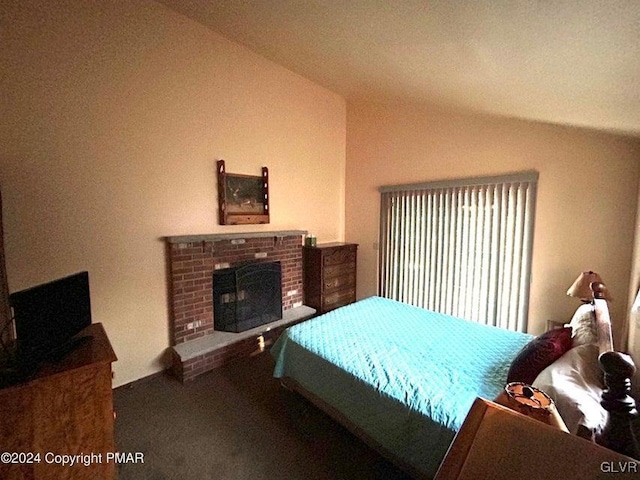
(400, 377)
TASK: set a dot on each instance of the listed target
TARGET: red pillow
(538, 354)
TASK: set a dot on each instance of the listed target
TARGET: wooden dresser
(66, 408)
(329, 275)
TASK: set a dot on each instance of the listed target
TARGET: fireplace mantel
(217, 237)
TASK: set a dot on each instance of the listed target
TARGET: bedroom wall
(114, 114)
(587, 192)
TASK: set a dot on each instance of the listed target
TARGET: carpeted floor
(236, 422)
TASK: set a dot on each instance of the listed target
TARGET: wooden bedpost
(618, 369)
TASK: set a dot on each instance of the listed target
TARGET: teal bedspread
(406, 376)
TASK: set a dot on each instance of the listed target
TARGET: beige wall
(114, 114)
(587, 191)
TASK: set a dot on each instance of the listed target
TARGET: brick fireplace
(196, 346)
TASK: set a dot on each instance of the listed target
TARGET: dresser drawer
(339, 256)
(337, 283)
(338, 299)
(339, 270)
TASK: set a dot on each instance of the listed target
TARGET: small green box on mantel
(310, 241)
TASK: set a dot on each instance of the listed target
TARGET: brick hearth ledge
(209, 343)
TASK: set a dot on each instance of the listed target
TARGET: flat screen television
(48, 316)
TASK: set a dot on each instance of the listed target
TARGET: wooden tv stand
(65, 408)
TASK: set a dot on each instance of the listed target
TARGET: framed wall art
(242, 199)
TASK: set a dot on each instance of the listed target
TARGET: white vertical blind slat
(421, 252)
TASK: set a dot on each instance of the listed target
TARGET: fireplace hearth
(247, 296)
(192, 260)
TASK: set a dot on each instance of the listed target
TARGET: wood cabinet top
(96, 349)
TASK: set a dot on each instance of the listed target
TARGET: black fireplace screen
(247, 296)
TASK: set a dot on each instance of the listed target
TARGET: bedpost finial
(617, 363)
(599, 290)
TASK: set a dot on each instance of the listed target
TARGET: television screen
(48, 315)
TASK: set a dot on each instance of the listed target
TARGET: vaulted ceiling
(571, 62)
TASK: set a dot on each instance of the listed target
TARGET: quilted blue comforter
(404, 375)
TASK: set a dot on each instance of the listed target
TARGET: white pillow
(574, 382)
(583, 325)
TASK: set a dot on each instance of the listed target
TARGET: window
(460, 247)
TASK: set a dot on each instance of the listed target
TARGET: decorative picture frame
(242, 199)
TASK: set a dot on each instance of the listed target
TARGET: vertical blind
(462, 247)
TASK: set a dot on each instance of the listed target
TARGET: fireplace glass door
(247, 296)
